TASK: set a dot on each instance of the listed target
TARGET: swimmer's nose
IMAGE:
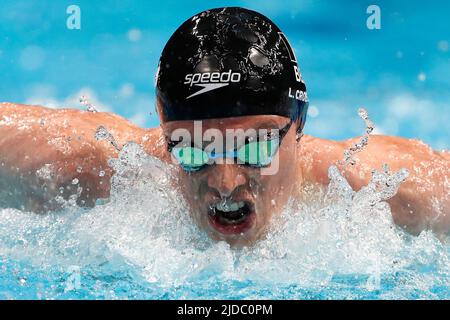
(225, 178)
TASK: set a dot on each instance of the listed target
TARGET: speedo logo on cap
(210, 80)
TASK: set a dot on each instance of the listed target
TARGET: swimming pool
(142, 244)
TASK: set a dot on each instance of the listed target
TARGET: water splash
(363, 142)
(381, 187)
(103, 134)
(84, 101)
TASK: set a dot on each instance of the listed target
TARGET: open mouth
(231, 217)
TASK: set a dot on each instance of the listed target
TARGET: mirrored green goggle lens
(257, 153)
(190, 156)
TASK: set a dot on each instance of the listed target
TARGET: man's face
(235, 202)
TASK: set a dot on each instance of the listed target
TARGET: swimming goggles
(257, 153)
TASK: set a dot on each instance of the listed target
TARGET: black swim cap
(229, 62)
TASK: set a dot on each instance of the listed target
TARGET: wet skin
(31, 137)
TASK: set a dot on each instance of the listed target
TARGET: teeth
(227, 206)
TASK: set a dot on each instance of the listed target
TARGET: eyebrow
(270, 124)
(267, 124)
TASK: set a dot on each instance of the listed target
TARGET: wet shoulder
(154, 143)
(76, 122)
(315, 155)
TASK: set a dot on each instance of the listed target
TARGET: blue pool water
(125, 285)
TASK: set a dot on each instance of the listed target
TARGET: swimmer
(225, 69)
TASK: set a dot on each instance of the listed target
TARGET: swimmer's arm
(423, 200)
(46, 153)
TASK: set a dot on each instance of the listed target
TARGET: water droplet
(363, 142)
(258, 58)
(362, 113)
(102, 134)
(89, 106)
